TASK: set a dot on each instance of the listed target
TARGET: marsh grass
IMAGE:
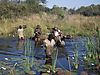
(97, 49)
(54, 59)
(76, 61)
(70, 24)
(22, 65)
(7, 70)
(93, 48)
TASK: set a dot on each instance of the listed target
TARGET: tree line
(18, 8)
(92, 10)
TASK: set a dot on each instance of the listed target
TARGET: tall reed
(98, 42)
(29, 56)
(91, 57)
(54, 59)
(76, 63)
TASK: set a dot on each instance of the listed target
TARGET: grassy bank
(70, 24)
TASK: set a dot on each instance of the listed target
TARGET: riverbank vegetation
(82, 21)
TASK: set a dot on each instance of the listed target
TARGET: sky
(71, 3)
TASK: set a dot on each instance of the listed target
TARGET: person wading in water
(20, 33)
(37, 36)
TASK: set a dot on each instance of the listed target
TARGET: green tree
(58, 11)
(34, 6)
(92, 10)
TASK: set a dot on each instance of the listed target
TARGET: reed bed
(70, 24)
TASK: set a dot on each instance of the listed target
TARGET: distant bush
(12, 9)
(92, 10)
(58, 11)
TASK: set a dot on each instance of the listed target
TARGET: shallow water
(13, 51)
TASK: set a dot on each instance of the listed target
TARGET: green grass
(70, 24)
(92, 53)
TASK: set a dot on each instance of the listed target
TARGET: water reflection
(20, 44)
(36, 55)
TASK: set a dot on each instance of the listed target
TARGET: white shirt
(56, 33)
(20, 33)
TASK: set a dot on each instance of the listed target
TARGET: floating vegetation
(28, 63)
(93, 50)
(76, 63)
